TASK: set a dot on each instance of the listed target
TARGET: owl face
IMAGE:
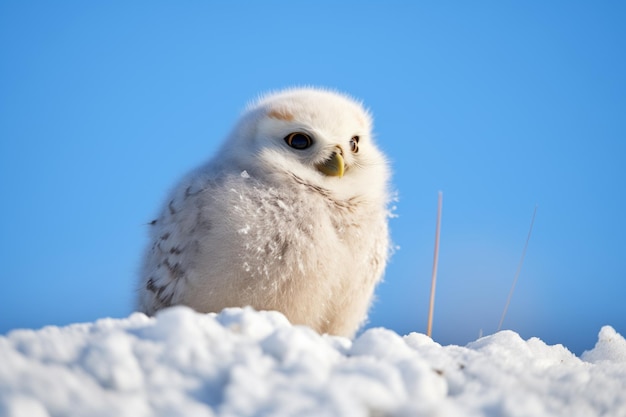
(320, 136)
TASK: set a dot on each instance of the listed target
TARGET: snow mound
(246, 363)
(611, 347)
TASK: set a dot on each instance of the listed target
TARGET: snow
(246, 363)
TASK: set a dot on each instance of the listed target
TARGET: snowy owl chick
(290, 215)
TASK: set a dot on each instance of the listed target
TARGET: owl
(291, 215)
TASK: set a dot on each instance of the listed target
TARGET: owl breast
(297, 250)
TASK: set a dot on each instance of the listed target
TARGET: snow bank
(246, 363)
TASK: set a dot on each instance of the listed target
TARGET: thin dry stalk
(519, 269)
(433, 283)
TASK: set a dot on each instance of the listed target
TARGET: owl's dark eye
(354, 144)
(298, 140)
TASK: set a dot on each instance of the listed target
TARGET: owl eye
(298, 140)
(354, 144)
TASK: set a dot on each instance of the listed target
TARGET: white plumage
(290, 215)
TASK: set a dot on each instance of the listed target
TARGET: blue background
(500, 105)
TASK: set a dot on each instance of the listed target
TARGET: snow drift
(246, 363)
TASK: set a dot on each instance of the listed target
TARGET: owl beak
(333, 166)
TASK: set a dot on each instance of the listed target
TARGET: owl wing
(174, 241)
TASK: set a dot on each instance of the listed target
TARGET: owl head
(319, 136)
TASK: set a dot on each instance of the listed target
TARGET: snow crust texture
(246, 363)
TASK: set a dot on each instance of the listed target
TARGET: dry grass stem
(519, 269)
(433, 283)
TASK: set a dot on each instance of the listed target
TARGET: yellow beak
(333, 166)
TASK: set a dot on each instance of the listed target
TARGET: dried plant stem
(433, 283)
(519, 269)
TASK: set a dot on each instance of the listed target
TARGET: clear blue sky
(501, 105)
